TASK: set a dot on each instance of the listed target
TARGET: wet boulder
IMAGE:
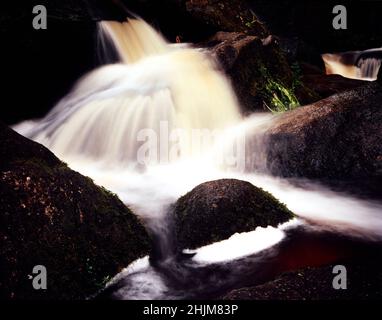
(215, 210)
(338, 137)
(55, 217)
(326, 85)
(259, 71)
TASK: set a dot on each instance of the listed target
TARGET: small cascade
(360, 65)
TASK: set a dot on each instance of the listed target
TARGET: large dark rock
(326, 85)
(338, 137)
(215, 210)
(364, 277)
(259, 71)
(53, 216)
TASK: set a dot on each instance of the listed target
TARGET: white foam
(243, 244)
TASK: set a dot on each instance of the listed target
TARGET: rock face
(259, 72)
(338, 137)
(215, 210)
(55, 217)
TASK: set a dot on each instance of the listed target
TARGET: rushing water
(361, 65)
(113, 109)
(160, 98)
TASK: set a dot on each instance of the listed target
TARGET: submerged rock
(338, 137)
(215, 210)
(55, 217)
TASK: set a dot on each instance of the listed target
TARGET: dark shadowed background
(39, 66)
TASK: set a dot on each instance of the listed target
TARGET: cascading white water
(100, 126)
(369, 68)
(360, 65)
(158, 90)
(96, 127)
(134, 39)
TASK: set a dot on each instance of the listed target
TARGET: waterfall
(157, 98)
(133, 39)
(166, 92)
(153, 101)
(360, 65)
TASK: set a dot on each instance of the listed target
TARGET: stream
(131, 127)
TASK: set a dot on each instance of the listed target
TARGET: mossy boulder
(215, 210)
(55, 217)
(260, 72)
(338, 138)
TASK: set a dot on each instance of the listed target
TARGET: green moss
(276, 95)
(251, 24)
